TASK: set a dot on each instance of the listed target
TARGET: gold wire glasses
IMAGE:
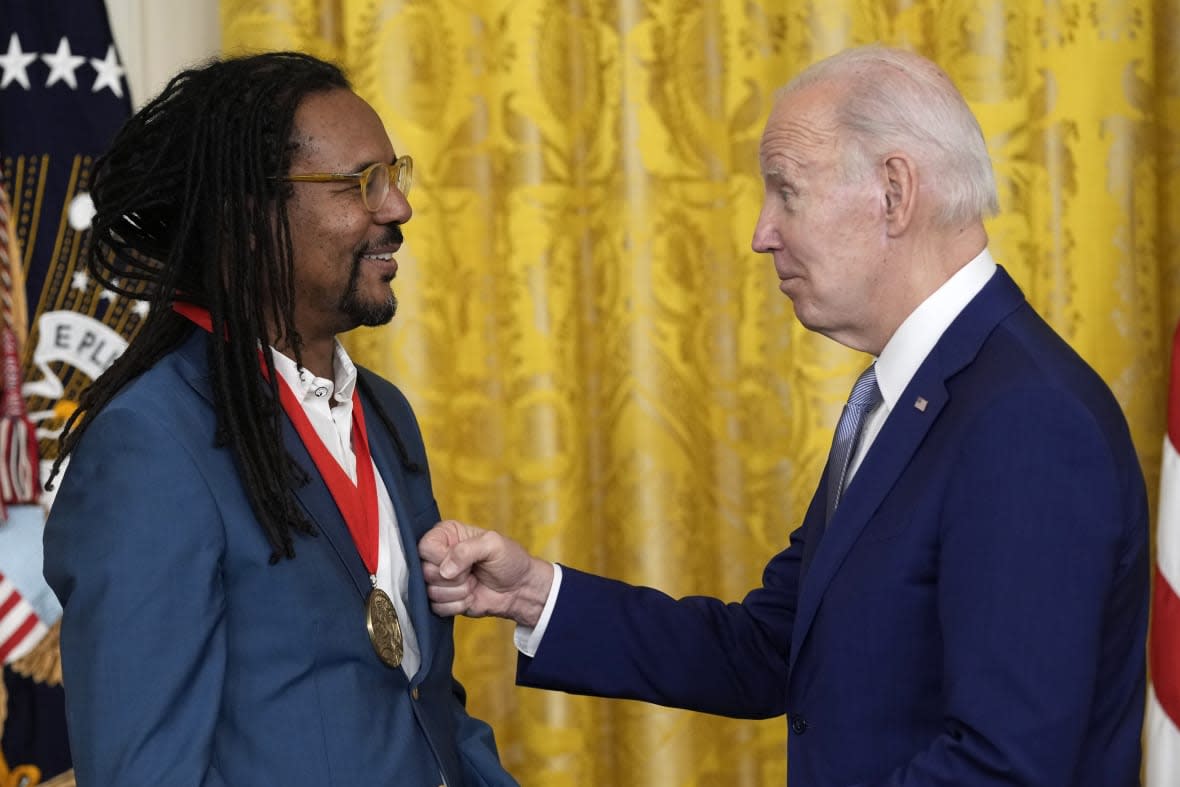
(374, 179)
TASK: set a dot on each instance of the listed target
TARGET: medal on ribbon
(357, 502)
(358, 505)
(385, 630)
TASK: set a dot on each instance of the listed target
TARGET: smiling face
(343, 254)
(824, 226)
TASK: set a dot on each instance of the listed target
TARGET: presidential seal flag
(63, 96)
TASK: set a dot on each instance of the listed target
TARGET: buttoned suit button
(414, 693)
(798, 725)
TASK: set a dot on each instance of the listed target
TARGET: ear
(901, 193)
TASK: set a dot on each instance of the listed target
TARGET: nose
(395, 209)
(766, 237)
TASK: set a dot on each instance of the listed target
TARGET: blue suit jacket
(975, 613)
(190, 660)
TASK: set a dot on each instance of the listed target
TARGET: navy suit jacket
(190, 660)
(974, 614)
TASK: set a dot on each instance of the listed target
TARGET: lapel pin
(920, 404)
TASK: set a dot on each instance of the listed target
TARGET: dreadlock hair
(190, 207)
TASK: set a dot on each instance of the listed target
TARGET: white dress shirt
(899, 361)
(913, 340)
(328, 405)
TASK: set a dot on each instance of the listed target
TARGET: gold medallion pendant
(385, 631)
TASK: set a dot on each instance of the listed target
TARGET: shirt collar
(310, 387)
(916, 336)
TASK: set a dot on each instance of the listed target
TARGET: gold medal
(385, 631)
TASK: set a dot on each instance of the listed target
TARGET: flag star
(108, 72)
(81, 280)
(81, 212)
(141, 308)
(62, 65)
(107, 295)
(15, 64)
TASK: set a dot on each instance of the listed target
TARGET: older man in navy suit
(965, 602)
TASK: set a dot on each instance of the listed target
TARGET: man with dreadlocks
(229, 539)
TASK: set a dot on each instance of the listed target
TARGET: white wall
(157, 38)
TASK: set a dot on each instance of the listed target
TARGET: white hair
(893, 100)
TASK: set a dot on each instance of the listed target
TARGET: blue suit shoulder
(1024, 354)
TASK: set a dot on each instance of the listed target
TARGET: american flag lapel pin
(920, 404)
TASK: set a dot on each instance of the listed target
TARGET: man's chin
(374, 320)
(381, 316)
(806, 315)
(373, 314)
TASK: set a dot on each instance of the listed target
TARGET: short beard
(368, 314)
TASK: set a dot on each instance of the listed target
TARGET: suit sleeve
(132, 549)
(610, 639)
(1042, 594)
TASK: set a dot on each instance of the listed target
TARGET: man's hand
(476, 572)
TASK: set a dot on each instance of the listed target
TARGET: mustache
(393, 236)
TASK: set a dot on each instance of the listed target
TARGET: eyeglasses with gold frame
(374, 180)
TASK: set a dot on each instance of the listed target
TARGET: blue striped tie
(863, 400)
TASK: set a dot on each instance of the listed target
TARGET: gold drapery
(602, 367)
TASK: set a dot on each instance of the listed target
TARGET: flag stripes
(20, 628)
(1163, 708)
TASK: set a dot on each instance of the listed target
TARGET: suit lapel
(317, 501)
(813, 523)
(313, 496)
(389, 467)
(321, 508)
(896, 444)
(890, 454)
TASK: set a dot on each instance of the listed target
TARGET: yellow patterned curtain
(602, 367)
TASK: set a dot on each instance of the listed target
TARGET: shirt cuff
(527, 639)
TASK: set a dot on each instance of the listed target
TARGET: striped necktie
(863, 400)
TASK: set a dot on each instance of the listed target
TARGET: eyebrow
(779, 173)
(359, 168)
(785, 167)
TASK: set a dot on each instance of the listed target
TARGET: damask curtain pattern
(603, 368)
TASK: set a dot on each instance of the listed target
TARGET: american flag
(1163, 706)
